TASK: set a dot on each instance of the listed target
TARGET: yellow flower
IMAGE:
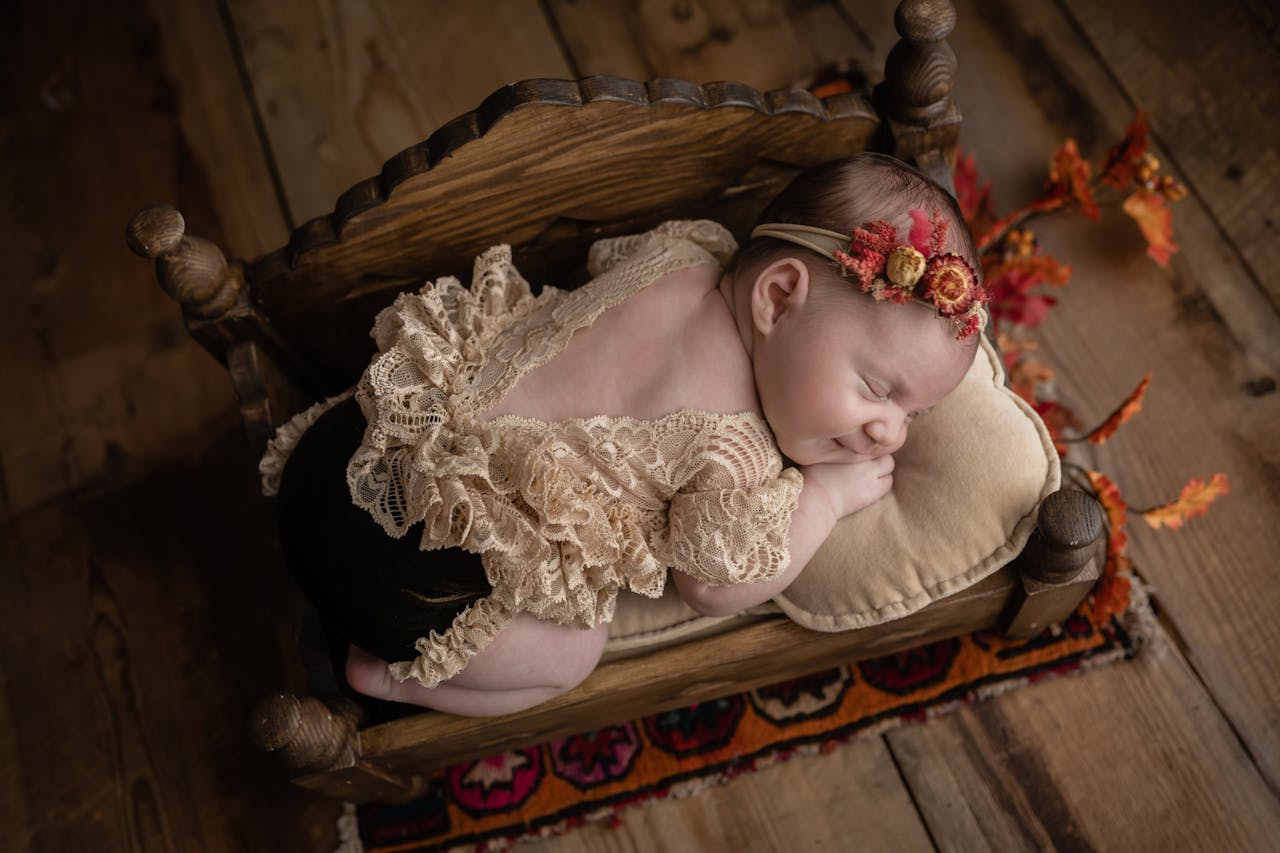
(905, 266)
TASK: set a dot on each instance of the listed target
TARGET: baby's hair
(844, 194)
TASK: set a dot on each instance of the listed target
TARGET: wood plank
(599, 39)
(137, 637)
(342, 85)
(1209, 409)
(812, 802)
(766, 44)
(1215, 107)
(1134, 756)
(99, 374)
(15, 817)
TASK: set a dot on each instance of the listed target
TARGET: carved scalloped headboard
(548, 166)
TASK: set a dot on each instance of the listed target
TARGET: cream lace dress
(564, 514)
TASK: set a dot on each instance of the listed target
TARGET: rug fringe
(1140, 621)
(349, 831)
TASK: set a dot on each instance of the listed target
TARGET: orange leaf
(1111, 596)
(1195, 499)
(1044, 268)
(1156, 221)
(1028, 375)
(1108, 494)
(1130, 407)
(1070, 171)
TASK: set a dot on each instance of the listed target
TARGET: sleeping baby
(509, 463)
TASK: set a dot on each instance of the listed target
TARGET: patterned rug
(551, 788)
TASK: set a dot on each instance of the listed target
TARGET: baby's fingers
(883, 465)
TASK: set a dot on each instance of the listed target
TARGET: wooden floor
(141, 608)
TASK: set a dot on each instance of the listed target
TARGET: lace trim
(281, 446)
(442, 656)
(733, 535)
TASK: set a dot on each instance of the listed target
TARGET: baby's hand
(850, 486)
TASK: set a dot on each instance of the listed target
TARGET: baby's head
(844, 348)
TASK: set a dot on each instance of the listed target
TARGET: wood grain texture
(546, 166)
(136, 636)
(344, 84)
(627, 39)
(1217, 118)
(1208, 409)
(104, 116)
(1133, 756)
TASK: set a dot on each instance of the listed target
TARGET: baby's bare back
(672, 346)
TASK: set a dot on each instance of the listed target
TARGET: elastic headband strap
(820, 240)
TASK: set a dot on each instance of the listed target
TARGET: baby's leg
(529, 662)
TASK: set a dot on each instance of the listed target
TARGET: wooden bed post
(1060, 564)
(319, 742)
(271, 382)
(921, 119)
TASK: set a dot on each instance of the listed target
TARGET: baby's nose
(888, 433)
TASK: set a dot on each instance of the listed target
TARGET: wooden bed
(541, 164)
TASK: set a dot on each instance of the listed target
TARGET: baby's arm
(831, 491)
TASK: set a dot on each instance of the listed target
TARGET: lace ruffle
(281, 446)
(442, 656)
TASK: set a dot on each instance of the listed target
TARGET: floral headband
(893, 270)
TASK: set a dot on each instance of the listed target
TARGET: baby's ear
(781, 288)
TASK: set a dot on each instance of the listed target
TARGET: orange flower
(950, 285)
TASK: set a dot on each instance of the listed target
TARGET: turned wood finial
(191, 270)
(1067, 530)
(306, 733)
(920, 71)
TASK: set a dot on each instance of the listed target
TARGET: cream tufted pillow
(966, 488)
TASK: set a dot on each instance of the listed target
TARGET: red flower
(949, 284)
(969, 326)
(868, 251)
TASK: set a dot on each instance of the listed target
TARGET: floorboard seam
(1183, 648)
(260, 127)
(554, 26)
(897, 766)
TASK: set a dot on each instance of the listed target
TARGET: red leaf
(1130, 407)
(1194, 500)
(1156, 221)
(1125, 156)
(1057, 419)
(974, 198)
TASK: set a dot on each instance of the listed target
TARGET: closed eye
(875, 391)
